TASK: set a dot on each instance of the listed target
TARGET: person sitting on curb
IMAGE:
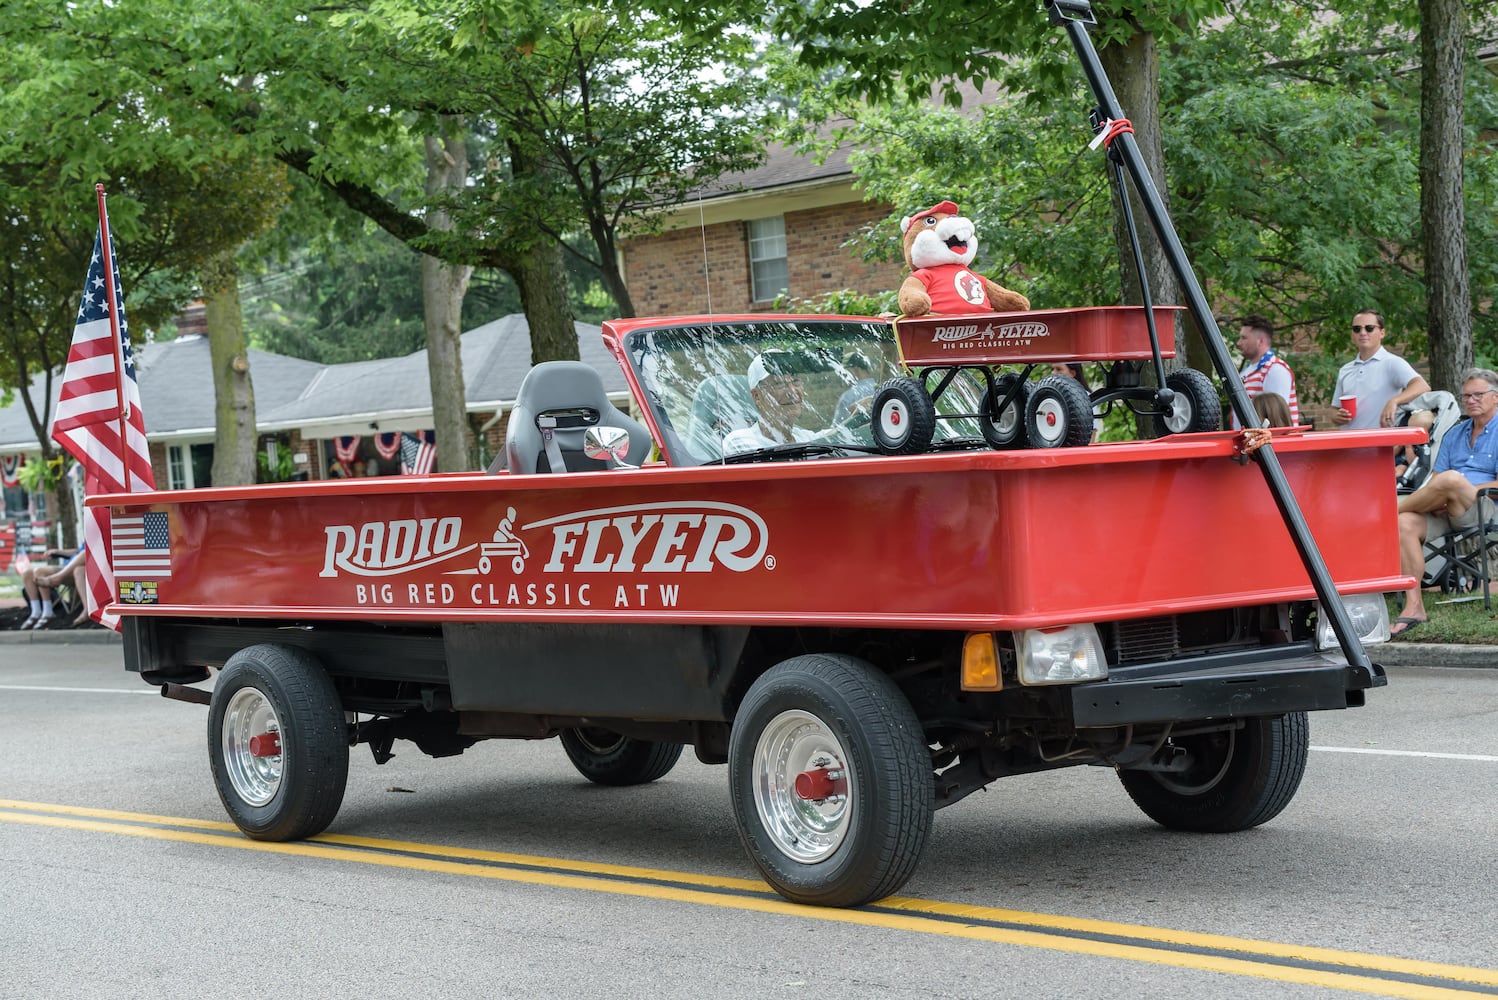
(1466, 463)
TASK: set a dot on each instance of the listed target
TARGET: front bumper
(1245, 684)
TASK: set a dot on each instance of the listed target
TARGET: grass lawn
(1454, 618)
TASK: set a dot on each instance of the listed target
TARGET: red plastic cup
(1350, 404)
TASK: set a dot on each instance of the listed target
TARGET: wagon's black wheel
(606, 758)
(277, 743)
(1059, 413)
(1004, 429)
(831, 781)
(1233, 780)
(1195, 406)
(904, 419)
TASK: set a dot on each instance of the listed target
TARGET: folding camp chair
(1467, 556)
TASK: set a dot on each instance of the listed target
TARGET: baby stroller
(1438, 412)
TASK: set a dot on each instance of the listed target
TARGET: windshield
(735, 388)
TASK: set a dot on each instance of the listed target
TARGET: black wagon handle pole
(1074, 16)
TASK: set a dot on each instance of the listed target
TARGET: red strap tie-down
(1112, 129)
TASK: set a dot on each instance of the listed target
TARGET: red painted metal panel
(968, 540)
(1099, 333)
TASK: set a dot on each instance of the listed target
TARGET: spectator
(1467, 462)
(854, 398)
(1377, 379)
(1263, 369)
(38, 582)
(1272, 409)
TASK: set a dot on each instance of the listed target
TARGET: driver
(776, 392)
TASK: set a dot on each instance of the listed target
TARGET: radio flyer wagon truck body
(864, 631)
(861, 638)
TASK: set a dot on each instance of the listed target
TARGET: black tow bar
(1075, 16)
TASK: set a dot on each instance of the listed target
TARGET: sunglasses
(1360, 329)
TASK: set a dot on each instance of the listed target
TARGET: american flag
(88, 425)
(142, 546)
(418, 454)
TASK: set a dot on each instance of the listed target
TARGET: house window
(189, 466)
(769, 275)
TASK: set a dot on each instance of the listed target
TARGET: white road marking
(77, 690)
(1488, 758)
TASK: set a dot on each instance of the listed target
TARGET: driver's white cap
(757, 371)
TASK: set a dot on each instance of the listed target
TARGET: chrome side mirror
(607, 444)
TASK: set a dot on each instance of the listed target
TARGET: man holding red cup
(1372, 385)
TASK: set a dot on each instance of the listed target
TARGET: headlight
(1062, 655)
(1369, 616)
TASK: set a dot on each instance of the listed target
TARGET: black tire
(296, 793)
(904, 417)
(1237, 780)
(1059, 413)
(839, 717)
(1195, 408)
(606, 758)
(1004, 430)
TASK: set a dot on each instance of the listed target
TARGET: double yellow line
(1324, 967)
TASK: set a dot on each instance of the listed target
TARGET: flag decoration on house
(99, 420)
(10, 469)
(388, 444)
(346, 448)
(418, 453)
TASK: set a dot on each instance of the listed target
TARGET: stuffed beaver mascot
(939, 246)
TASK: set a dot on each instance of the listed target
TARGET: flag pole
(106, 241)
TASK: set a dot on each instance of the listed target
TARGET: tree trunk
(613, 276)
(233, 391)
(1443, 31)
(442, 289)
(541, 275)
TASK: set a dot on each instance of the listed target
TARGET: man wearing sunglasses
(1466, 463)
(776, 390)
(1378, 380)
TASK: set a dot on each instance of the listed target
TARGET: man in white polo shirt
(1377, 379)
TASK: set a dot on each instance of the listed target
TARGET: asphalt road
(118, 877)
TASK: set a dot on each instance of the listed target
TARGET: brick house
(778, 229)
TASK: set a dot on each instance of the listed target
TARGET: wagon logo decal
(693, 537)
(385, 548)
(1004, 332)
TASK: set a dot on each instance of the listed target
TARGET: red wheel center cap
(894, 417)
(819, 783)
(265, 745)
(1050, 419)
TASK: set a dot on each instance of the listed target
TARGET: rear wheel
(904, 417)
(606, 758)
(831, 781)
(277, 743)
(1004, 429)
(1234, 780)
(1059, 413)
(1195, 406)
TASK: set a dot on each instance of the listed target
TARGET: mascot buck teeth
(939, 246)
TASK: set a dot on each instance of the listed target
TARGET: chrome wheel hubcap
(794, 745)
(256, 777)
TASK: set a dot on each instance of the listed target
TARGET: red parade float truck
(864, 625)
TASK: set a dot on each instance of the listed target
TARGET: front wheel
(606, 758)
(1059, 413)
(831, 781)
(1233, 780)
(277, 743)
(904, 417)
(1195, 406)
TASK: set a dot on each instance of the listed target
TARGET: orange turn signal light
(980, 663)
